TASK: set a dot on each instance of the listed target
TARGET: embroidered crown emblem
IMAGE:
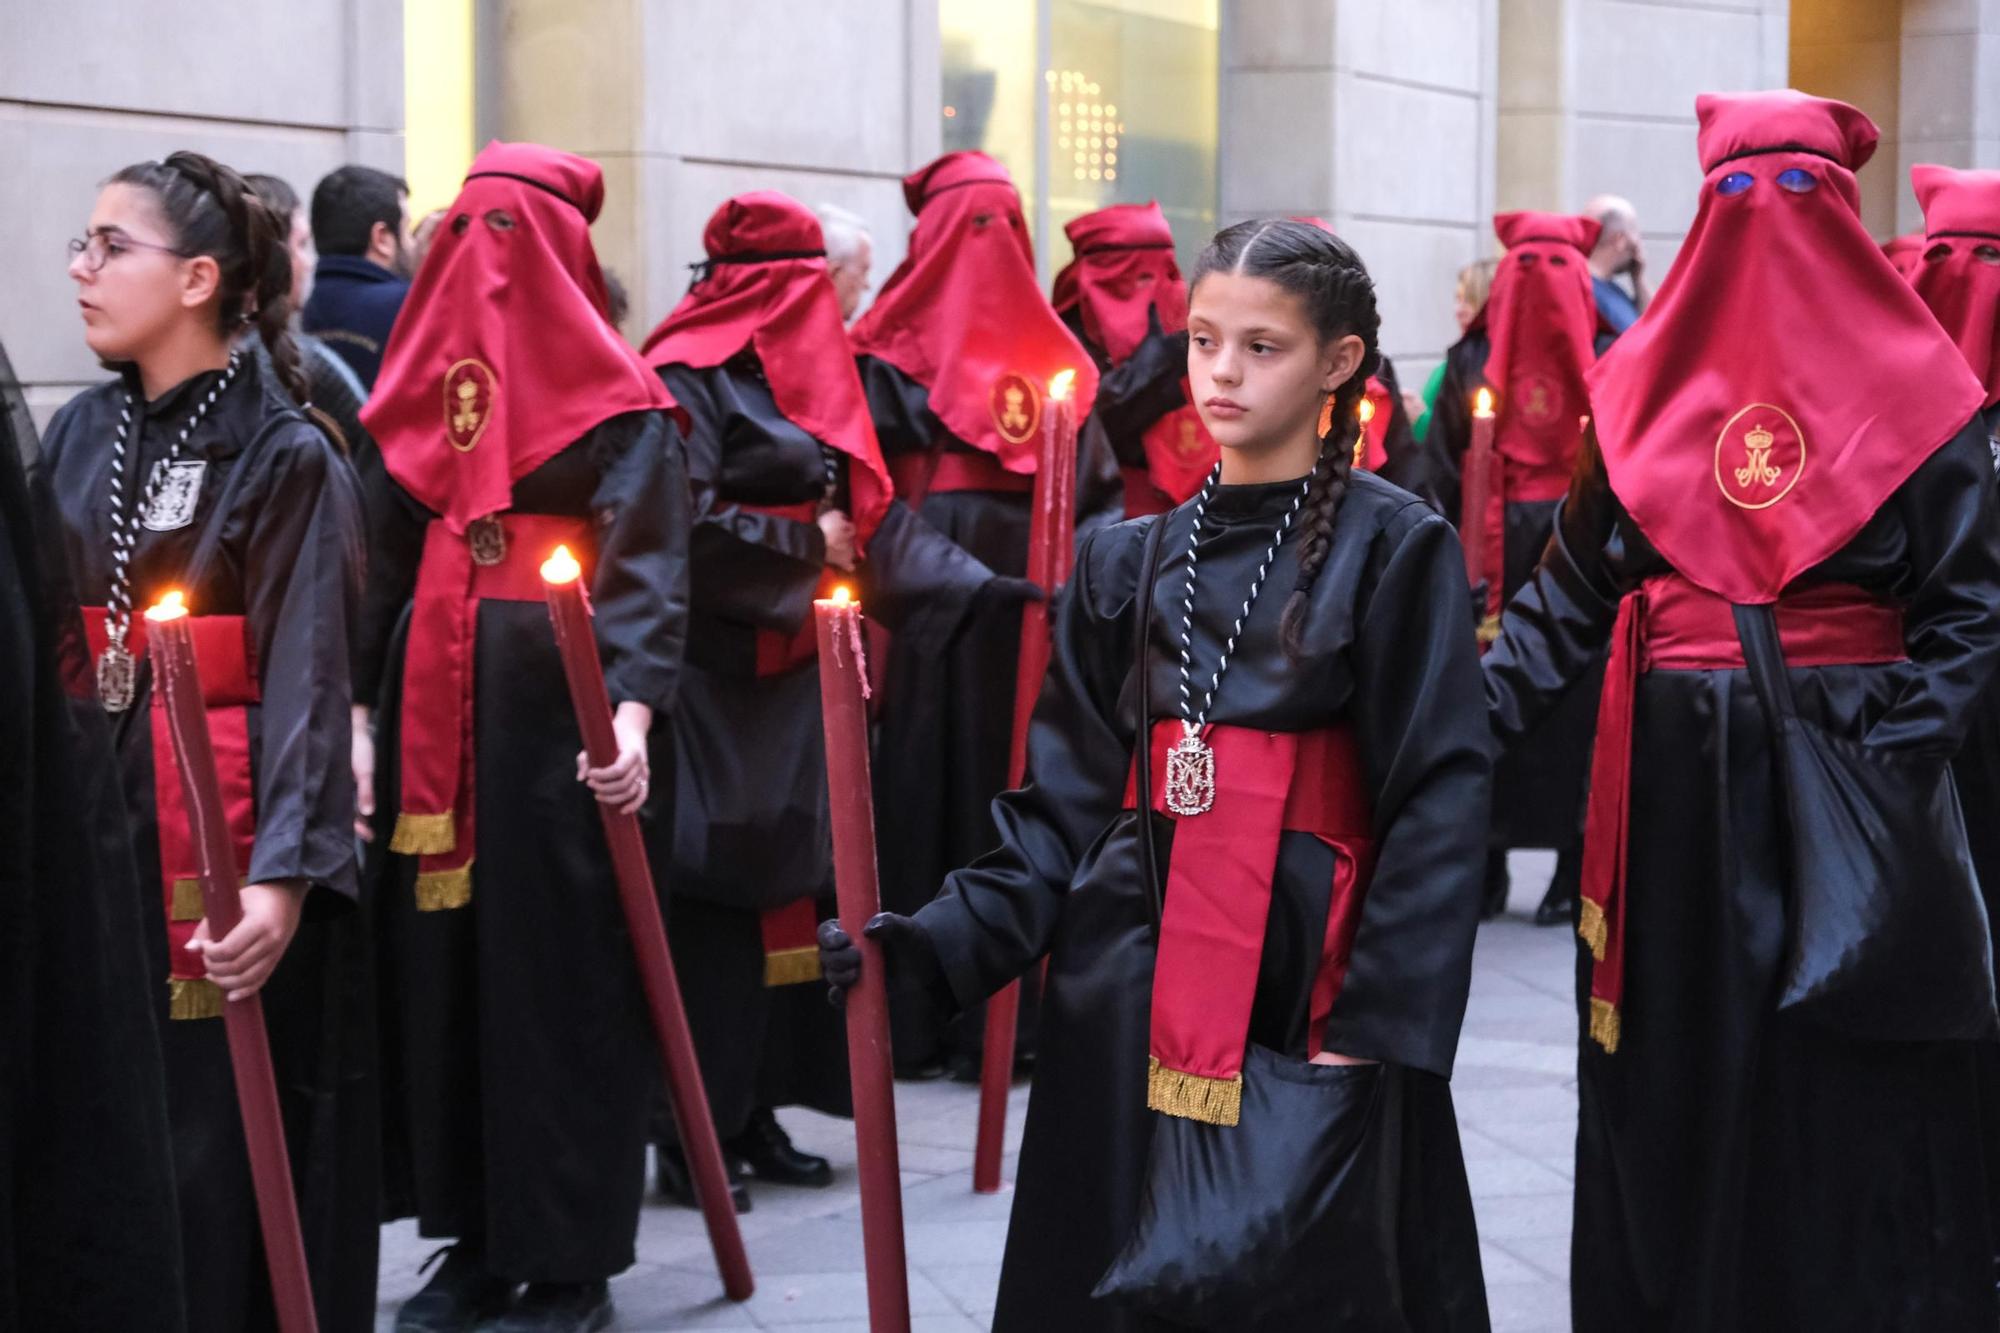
(1763, 462)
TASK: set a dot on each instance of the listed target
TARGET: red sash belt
(1218, 897)
(435, 822)
(936, 471)
(1669, 624)
(228, 686)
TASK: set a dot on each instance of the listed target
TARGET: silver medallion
(487, 539)
(1190, 774)
(176, 486)
(117, 677)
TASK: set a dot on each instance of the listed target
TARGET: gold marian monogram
(1016, 406)
(1757, 469)
(1759, 456)
(470, 388)
(1014, 417)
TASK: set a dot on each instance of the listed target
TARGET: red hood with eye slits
(964, 315)
(1542, 318)
(503, 355)
(1957, 281)
(1785, 381)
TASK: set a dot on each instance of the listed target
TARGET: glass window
(1127, 110)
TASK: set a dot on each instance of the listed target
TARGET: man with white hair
(850, 253)
(1620, 251)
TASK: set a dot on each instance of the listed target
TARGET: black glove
(1480, 591)
(1005, 593)
(840, 959)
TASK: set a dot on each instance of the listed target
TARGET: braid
(1328, 277)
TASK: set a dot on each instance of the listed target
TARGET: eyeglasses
(98, 249)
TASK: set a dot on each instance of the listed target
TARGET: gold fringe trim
(1604, 1024)
(1213, 1101)
(1591, 928)
(1489, 631)
(193, 997)
(423, 835)
(187, 901)
(791, 967)
(444, 890)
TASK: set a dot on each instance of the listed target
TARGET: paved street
(1516, 1095)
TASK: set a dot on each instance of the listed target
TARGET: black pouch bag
(1286, 1219)
(1889, 936)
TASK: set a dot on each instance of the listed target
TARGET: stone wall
(87, 86)
(691, 102)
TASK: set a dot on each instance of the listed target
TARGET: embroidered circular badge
(1538, 399)
(1017, 407)
(1759, 456)
(470, 389)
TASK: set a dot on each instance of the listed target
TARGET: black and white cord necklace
(1191, 763)
(117, 672)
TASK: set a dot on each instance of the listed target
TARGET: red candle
(1481, 528)
(569, 611)
(1051, 550)
(171, 644)
(843, 687)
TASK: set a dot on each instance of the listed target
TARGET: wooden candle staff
(562, 579)
(843, 689)
(1051, 551)
(170, 641)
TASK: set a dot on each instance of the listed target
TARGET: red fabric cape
(503, 355)
(1905, 252)
(1784, 381)
(1124, 269)
(1954, 278)
(1542, 319)
(964, 315)
(767, 288)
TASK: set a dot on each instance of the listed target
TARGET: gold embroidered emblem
(1759, 457)
(1538, 399)
(470, 389)
(1189, 443)
(1017, 408)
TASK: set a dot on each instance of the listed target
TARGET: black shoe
(676, 1182)
(557, 1307)
(767, 1150)
(1558, 907)
(964, 1067)
(460, 1294)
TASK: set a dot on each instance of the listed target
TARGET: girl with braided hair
(1290, 648)
(196, 469)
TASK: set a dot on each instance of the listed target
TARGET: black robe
(947, 717)
(1740, 1170)
(1538, 789)
(522, 1049)
(1387, 649)
(288, 561)
(89, 1239)
(750, 826)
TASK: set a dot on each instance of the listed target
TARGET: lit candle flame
(1367, 411)
(171, 606)
(1482, 403)
(561, 567)
(1060, 384)
(842, 594)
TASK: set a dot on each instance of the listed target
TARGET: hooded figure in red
(1124, 298)
(1958, 274)
(1530, 346)
(797, 499)
(1789, 428)
(955, 356)
(512, 419)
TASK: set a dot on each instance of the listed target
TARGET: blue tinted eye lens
(1798, 180)
(1736, 182)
